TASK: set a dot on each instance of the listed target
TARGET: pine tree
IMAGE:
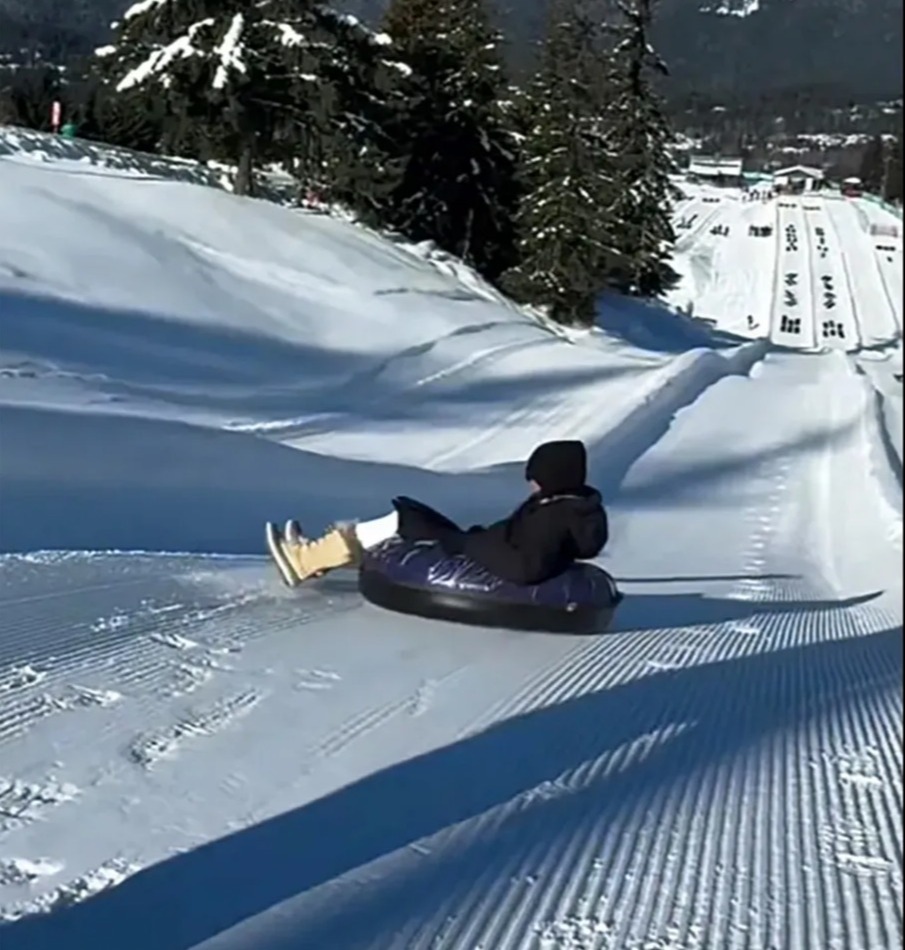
(567, 234)
(872, 162)
(640, 135)
(134, 122)
(455, 153)
(248, 80)
(893, 183)
(208, 60)
(361, 79)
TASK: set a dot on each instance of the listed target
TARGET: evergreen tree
(28, 95)
(640, 135)
(134, 122)
(247, 80)
(567, 233)
(455, 154)
(893, 184)
(208, 60)
(872, 162)
(358, 124)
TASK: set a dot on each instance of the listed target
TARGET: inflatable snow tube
(418, 578)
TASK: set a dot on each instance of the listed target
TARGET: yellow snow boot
(339, 547)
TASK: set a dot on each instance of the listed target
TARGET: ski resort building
(715, 170)
(797, 178)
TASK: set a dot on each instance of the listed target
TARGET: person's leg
(420, 522)
(338, 547)
(377, 530)
(341, 546)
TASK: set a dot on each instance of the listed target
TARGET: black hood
(558, 467)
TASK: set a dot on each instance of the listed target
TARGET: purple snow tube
(418, 578)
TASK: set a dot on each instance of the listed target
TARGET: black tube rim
(450, 606)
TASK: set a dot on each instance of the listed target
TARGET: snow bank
(882, 373)
(180, 365)
(84, 157)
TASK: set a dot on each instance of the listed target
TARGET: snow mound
(86, 157)
(183, 331)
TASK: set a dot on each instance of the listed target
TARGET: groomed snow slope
(735, 273)
(239, 766)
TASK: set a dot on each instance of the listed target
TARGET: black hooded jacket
(563, 522)
(542, 538)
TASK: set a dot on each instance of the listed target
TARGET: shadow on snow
(692, 719)
(80, 481)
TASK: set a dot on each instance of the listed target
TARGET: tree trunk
(245, 170)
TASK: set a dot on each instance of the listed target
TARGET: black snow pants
(420, 522)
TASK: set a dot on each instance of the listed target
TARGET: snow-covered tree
(135, 121)
(455, 153)
(253, 80)
(361, 74)
(208, 60)
(567, 231)
(639, 134)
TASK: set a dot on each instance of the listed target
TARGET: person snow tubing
(562, 521)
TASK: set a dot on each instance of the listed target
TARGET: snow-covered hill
(238, 766)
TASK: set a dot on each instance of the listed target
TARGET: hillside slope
(193, 757)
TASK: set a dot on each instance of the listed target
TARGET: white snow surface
(727, 277)
(192, 756)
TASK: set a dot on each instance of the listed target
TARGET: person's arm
(523, 563)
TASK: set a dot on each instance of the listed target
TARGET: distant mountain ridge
(722, 46)
(740, 44)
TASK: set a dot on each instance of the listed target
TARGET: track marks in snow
(26, 871)
(588, 932)
(368, 720)
(734, 827)
(408, 381)
(157, 630)
(105, 876)
(20, 677)
(876, 310)
(317, 680)
(174, 640)
(861, 767)
(74, 697)
(23, 802)
(712, 854)
(149, 749)
(646, 416)
(169, 628)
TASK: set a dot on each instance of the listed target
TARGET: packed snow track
(731, 749)
(193, 757)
